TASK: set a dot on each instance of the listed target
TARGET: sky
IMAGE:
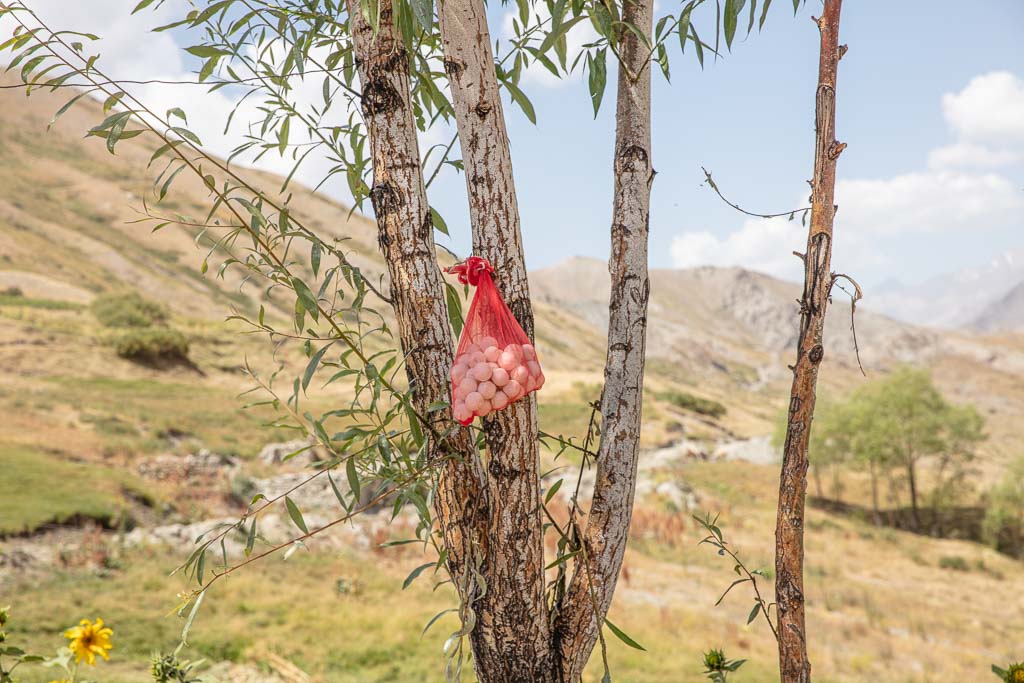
(930, 101)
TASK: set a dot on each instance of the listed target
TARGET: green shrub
(153, 345)
(128, 310)
(696, 404)
(954, 562)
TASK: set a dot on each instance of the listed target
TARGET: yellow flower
(88, 640)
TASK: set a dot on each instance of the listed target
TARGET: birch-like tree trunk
(511, 640)
(794, 665)
(406, 236)
(594, 578)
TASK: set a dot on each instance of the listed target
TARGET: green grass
(215, 417)
(48, 304)
(294, 609)
(37, 489)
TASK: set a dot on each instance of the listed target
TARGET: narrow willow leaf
(434, 619)
(250, 542)
(438, 221)
(621, 635)
(295, 514)
(353, 477)
(522, 100)
(415, 573)
(553, 490)
(753, 612)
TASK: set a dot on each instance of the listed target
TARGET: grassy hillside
(78, 421)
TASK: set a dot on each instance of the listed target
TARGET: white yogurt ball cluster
(487, 377)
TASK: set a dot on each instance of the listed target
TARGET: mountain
(1005, 314)
(953, 300)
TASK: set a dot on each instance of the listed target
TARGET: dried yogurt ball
(487, 341)
(500, 377)
(487, 390)
(540, 379)
(492, 354)
(529, 353)
(461, 413)
(520, 374)
(481, 372)
(508, 361)
(513, 390)
(477, 357)
(499, 401)
(484, 409)
(471, 348)
(534, 368)
(459, 371)
(474, 401)
(465, 388)
(531, 384)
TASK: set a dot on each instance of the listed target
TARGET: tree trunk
(874, 492)
(406, 237)
(593, 583)
(912, 481)
(789, 531)
(511, 640)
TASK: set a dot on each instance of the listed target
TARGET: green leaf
(598, 79)
(764, 13)
(796, 6)
(314, 257)
(621, 635)
(423, 10)
(142, 5)
(311, 367)
(250, 542)
(116, 131)
(564, 558)
(552, 491)
(295, 514)
(732, 13)
(415, 573)
(753, 612)
(522, 100)
(206, 51)
(337, 493)
(353, 477)
(434, 619)
(698, 44)
(306, 297)
(454, 309)
(438, 221)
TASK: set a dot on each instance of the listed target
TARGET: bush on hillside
(696, 404)
(128, 310)
(153, 345)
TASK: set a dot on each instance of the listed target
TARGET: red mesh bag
(495, 364)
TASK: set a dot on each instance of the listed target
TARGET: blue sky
(930, 101)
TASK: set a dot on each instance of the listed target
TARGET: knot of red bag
(469, 271)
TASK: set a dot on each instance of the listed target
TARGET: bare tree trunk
(511, 641)
(794, 665)
(594, 578)
(874, 492)
(912, 481)
(406, 237)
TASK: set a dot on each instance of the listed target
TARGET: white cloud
(765, 245)
(928, 202)
(989, 109)
(952, 195)
(972, 155)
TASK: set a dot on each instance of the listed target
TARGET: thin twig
(713, 186)
(856, 295)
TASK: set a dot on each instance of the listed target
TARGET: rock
(203, 465)
(274, 453)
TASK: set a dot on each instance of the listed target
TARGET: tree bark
(406, 236)
(594, 578)
(794, 665)
(912, 481)
(511, 640)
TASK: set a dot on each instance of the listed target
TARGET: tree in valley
(1004, 514)
(383, 68)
